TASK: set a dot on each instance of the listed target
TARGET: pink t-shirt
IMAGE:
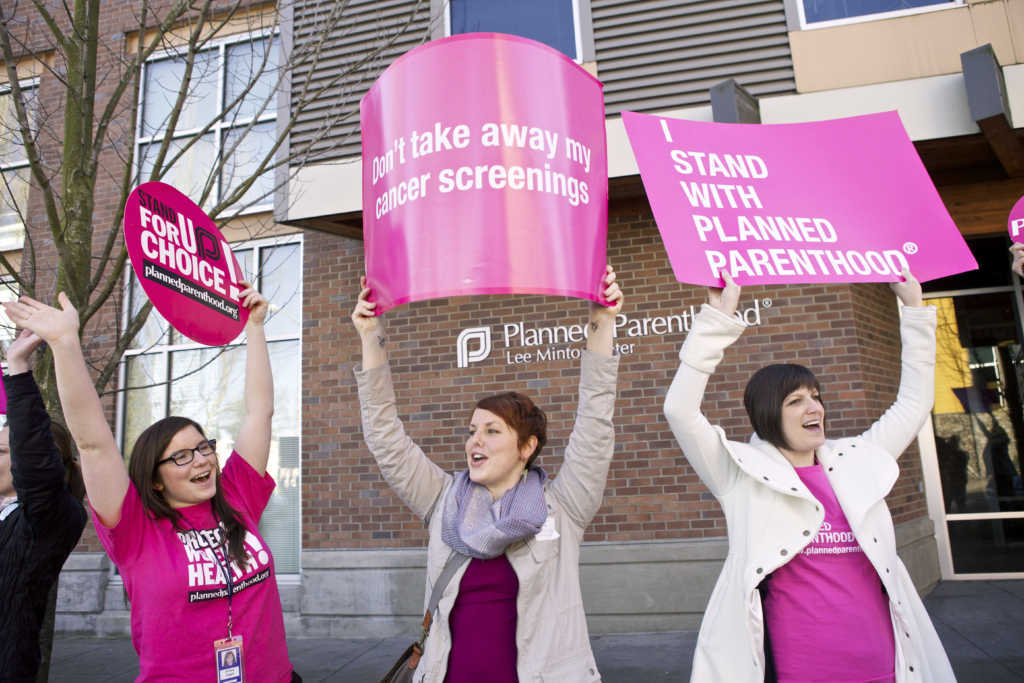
(177, 591)
(827, 615)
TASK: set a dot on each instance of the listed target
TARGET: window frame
(221, 127)
(8, 234)
(582, 26)
(797, 20)
(164, 352)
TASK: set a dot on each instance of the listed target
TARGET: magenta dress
(483, 624)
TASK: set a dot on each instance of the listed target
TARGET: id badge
(228, 656)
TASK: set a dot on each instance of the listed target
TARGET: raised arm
(899, 425)
(36, 463)
(104, 472)
(406, 469)
(581, 479)
(253, 441)
(712, 331)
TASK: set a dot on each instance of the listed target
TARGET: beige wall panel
(927, 44)
(1015, 14)
(254, 227)
(992, 25)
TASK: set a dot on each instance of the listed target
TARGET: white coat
(771, 516)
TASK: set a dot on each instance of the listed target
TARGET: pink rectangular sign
(484, 172)
(846, 200)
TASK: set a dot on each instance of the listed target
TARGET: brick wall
(847, 335)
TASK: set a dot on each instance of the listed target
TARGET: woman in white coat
(812, 588)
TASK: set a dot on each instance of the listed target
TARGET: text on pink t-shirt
(827, 615)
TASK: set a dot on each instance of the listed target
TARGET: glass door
(978, 431)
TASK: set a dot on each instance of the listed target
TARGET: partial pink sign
(184, 264)
(484, 172)
(1015, 222)
(846, 200)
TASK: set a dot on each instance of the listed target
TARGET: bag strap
(455, 560)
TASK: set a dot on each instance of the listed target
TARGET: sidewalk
(981, 623)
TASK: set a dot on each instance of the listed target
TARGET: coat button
(832, 468)
(807, 532)
(853, 445)
(875, 539)
(765, 478)
(911, 668)
(840, 455)
(783, 552)
(886, 570)
(760, 570)
(817, 508)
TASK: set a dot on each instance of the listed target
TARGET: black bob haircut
(766, 391)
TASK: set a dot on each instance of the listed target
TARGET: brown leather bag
(405, 667)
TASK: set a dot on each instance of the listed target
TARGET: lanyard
(220, 554)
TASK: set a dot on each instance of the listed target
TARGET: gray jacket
(551, 629)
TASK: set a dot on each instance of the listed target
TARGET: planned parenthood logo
(564, 342)
(481, 337)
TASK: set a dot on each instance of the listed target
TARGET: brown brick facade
(847, 334)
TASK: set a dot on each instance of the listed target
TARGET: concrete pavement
(981, 624)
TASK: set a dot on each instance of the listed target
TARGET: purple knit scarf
(469, 527)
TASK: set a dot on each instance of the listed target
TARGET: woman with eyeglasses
(182, 532)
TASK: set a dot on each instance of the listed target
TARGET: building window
(166, 373)
(14, 169)
(822, 13)
(236, 78)
(553, 22)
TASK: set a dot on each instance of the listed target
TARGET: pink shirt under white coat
(827, 615)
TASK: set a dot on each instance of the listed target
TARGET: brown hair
(148, 449)
(66, 446)
(522, 415)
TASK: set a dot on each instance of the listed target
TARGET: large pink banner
(846, 200)
(484, 172)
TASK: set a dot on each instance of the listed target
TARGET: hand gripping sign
(1015, 223)
(184, 264)
(846, 200)
(484, 172)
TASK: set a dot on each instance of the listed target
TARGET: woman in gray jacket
(812, 588)
(513, 611)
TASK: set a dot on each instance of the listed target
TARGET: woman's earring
(525, 471)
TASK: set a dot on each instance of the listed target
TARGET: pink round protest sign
(1015, 223)
(184, 264)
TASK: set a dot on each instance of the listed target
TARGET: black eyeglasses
(187, 455)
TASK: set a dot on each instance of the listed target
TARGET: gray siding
(661, 54)
(651, 54)
(329, 124)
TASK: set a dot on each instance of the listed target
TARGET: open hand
(53, 325)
